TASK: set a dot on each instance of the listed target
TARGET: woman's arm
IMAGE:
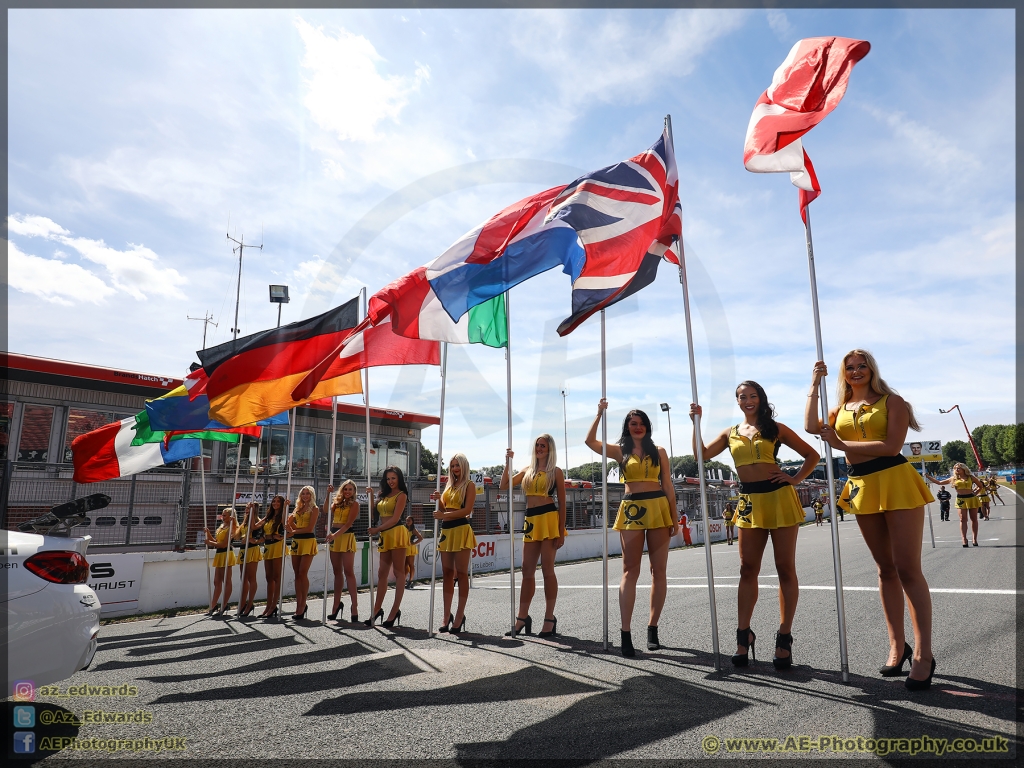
(210, 540)
(415, 536)
(931, 479)
(614, 452)
(464, 511)
(812, 419)
(669, 488)
(811, 458)
(717, 445)
(395, 516)
(516, 479)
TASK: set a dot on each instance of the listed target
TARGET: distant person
(684, 525)
(943, 496)
(967, 501)
(843, 501)
(415, 537)
(729, 518)
(819, 510)
(993, 486)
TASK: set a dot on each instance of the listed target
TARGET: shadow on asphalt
(362, 673)
(187, 641)
(144, 638)
(643, 710)
(529, 683)
(334, 653)
(258, 645)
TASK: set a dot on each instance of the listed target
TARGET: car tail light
(59, 567)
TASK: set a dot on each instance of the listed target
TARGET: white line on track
(934, 590)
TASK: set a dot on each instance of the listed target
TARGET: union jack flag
(608, 230)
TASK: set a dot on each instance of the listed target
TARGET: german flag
(252, 378)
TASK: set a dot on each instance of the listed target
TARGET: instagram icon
(24, 690)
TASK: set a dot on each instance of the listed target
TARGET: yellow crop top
(746, 451)
(638, 471)
(270, 528)
(965, 486)
(302, 518)
(540, 485)
(341, 514)
(453, 499)
(869, 422)
(221, 536)
(386, 505)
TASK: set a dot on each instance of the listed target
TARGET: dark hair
(647, 443)
(275, 515)
(385, 489)
(766, 424)
(409, 522)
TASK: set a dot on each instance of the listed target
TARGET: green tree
(687, 466)
(1011, 444)
(428, 461)
(589, 471)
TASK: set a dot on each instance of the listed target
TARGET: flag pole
(245, 517)
(844, 659)
(234, 495)
(508, 464)
(604, 487)
(440, 445)
(369, 509)
(287, 501)
(699, 441)
(206, 523)
(330, 512)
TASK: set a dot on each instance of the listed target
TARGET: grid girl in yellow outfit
(300, 525)
(457, 540)
(341, 544)
(393, 541)
(223, 559)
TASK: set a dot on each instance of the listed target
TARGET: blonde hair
(463, 462)
(338, 498)
(961, 466)
(312, 499)
(549, 467)
(877, 384)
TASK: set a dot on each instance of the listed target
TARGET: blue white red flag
(608, 230)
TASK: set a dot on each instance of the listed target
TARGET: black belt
(303, 535)
(965, 495)
(448, 524)
(762, 486)
(543, 509)
(876, 465)
(644, 495)
(220, 551)
(335, 530)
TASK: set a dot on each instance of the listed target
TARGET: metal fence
(164, 507)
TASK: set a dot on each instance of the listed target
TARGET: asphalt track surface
(257, 689)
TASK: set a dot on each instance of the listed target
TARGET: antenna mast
(207, 320)
(238, 290)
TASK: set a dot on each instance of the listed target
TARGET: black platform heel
(333, 616)
(527, 627)
(391, 622)
(652, 639)
(920, 685)
(746, 638)
(627, 645)
(554, 627)
(896, 669)
(447, 626)
(783, 642)
(459, 629)
(378, 615)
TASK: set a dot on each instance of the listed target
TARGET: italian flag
(107, 453)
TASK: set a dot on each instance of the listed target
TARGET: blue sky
(363, 143)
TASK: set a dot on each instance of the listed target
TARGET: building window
(352, 457)
(81, 421)
(388, 453)
(34, 443)
(248, 454)
(302, 455)
(6, 416)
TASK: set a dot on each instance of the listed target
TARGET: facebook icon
(24, 742)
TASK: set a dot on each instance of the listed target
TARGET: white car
(53, 617)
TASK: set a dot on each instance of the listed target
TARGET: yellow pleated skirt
(393, 538)
(643, 511)
(273, 551)
(456, 538)
(222, 559)
(252, 556)
(542, 526)
(345, 542)
(898, 487)
(968, 502)
(302, 547)
(778, 508)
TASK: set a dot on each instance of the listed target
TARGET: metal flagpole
(206, 523)
(369, 509)
(234, 494)
(329, 522)
(604, 486)
(699, 441)
(508, 464)
(931, 530)
(287, 498)
(440, 445)
(844, 659)
(249, 522)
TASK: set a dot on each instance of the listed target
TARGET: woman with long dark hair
(300, 525)
(415, 537)
(869, 423)
(457, 539)
(394, 540)
(273, 553)
(250, 536)
(341, 544)
(647, 514)
(768, 507)
(543, 531)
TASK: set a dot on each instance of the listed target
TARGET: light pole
(565, 422)
(279, 296)
(671, 452)
(970, 439)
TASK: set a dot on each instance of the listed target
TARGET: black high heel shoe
(652, 639)
(745, 638)
(627, 645)
(527, 627)
(920, 685)
(554, 627)
(378, 615)
(447, 626)
(301, 616)
(398, 617)
(333, 616)
(783, 642)
(271, 615)
(459, 629)
(896, 669)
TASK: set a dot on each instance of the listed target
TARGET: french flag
(608, 230)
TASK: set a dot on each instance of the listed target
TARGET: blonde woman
(394, 540)
(543, 531)
(223, 559)
(870, 423)
(249, 536)
(967, 501)
(457, 540)
(300, 525)
(341, 543)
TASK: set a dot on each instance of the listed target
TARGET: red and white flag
(805, 88)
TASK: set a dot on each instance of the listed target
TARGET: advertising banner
(116, 580)
(923, 450)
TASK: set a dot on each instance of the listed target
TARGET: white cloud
(52, 280)
(933, 149)
(34, 226)
(779, 23)
(347, 95)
